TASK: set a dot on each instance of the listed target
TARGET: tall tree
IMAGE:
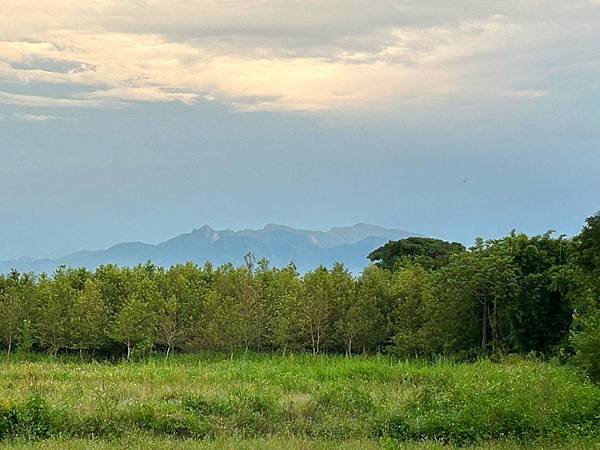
(53, 318)
(170, 329)
(585, 330)
(137, 320)
(538, 317)
(11, 316)
(410, 288)
(469, 293)
(279, 296)
(188, 285)
(89, 318)
(317, 308)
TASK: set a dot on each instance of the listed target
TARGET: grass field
(295, 402)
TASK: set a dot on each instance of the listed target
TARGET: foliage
(430, 253)
(424, 297)
(585, 336)
(586, 341)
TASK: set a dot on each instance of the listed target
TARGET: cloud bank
(284, 55)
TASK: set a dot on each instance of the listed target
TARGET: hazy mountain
(279, 244)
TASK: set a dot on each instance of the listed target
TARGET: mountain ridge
(280, 244)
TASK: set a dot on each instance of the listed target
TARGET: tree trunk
(493, 318)
(318, 338)
(128, 350)
(168, 351)
(349, 350)
(484, 332)
(9, 346)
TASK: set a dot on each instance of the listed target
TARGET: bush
(4, 421)
(32, 419)
(251, 413)
(586, 343)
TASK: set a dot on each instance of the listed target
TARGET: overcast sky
(143, 119)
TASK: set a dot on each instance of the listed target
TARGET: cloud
(7, 98)
(25, 117)
(282, 55)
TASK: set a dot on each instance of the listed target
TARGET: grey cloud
(51, 65)
(284, 54)
(7, 98)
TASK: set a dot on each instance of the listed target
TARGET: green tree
(115, 285)
(53, 318)
(234, 308)
(137, 321)
(279, 295)
(89, 318)
(17, 295)
(26, 338)
(585, 339)
(359, 325)
(188, 284)
(410, 288)
(588, 249)
(317, 308)
(170, 329)
(585, 330)
(351, 313)
(223, 322)
(10, 318)
(468, 295)
(430, 253)
(538, 317)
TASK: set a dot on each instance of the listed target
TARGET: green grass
(295, 402)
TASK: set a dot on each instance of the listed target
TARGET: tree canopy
(429, 252)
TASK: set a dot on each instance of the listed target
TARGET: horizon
(161, 239)
(193, 230)
(265, 228)
(217, 229)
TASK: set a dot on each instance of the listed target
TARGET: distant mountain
(280, 244)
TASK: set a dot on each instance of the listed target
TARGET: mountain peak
(363, 226)
(280, 244)
(277, 227)
(367, 225)
(203, 229)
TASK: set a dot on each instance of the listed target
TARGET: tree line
(420, 297)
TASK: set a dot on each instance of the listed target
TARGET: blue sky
(141, 120)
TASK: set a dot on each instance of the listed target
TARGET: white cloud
(25, 117)
(291, 56)
(7, 98)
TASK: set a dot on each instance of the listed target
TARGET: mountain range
(279, 244)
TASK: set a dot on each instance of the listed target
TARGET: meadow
(297, 401)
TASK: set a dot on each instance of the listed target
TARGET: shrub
(586, 343)
(5, 414)
(32, 419)
(251, 413)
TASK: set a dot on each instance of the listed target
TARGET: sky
(144, 119)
